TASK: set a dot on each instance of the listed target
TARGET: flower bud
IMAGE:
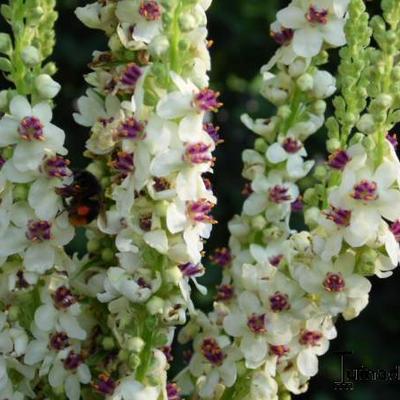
(173, 275)
(31, 56)
(366, 123)
(332, 145)
(367, 262)
(46, 86)
(258, 222)
(297, 67)
(155, 305)
(5, 43)
(319, 107)
(187, 22)
(159, 46)
(305, 82)
(107, 255)
(108, 343)
(5, 64)
(320, 172)
(135, 344)
(311, 216)
(284, 112)
(134, 361)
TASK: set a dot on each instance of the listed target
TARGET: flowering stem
(175, 36)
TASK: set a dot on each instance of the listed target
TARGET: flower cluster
(282, 290)
(151, 149)
(41, 330)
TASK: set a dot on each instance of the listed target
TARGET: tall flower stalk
(150, 148)
(282, 290)
(41, 337)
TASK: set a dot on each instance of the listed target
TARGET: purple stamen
(131, 129)
(279, 194)
(365, 191)
(395, 228)
(222, 256)
(256, 323)
(339, 216)
(315, 16)
(207, 100)
(173, 392)
(73, 361)
(198, 153)
(63, 298)
(291, 145)
(106, 385)
(191, 270)
(338, 160)
(131, 75)
(59, 341)
(123, 163)
(38, 231)
(198, 211)
(150, 10)
(225, 292)
(334, 282)
(212, 352)
(57, 167)
(283, 37)
(30, 128)
(279, 302)
(310, 338)
(213, 132)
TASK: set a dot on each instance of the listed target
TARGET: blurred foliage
(242, 44)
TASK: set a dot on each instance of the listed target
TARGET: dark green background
(242, 44)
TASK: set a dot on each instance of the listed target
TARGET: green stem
(175, 36)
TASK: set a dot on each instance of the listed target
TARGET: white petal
(39, 257)
(276, 153)
(45, 317)
(72, 388)
(8, 131)
(43, 112)
(158, 240)
(307, 42)
(20, 107)
(307, 362)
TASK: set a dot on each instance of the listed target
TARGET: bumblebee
(82, 198)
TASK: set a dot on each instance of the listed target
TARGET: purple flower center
(173, 392)
(339, 216)
(191, 270)
(105, 385)
(198, 153)
(131, 129)
(143, 284)
(338, 159)
(2, 161)
(222, 256)
(276, 260)
(256, 324)
(225, 292)
(150, 10)
(131, 75)
(365, 191)
(213, 131)
(291, 145)
(57, 167)
(38, 231)
(59, 341)
(392, 137)
(30, 128)
(395, 228)
(279, 350)
(145, 222)
(73, 361)
(279, 194)
(167, 350)
(198, 211)
(279, 302)
(310, 338)
(283, 37)
(315, 16)
(161, 184)
(212, 352)
(297, 205)
(207, 100)
(123, 163)
(334, 282)
(63, 298)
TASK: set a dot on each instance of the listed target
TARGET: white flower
(59, 312)
(193, 219)
(213, 362)
(314, 24)
(70, 372)
(38, 240)
(143, 16)
(255, 328)
(364, 197)
(292, 151)
(313, 341)
(337, 287)
(271, 195)
(130, 389)
(46, 86)
(30, 129)
(131, 281)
